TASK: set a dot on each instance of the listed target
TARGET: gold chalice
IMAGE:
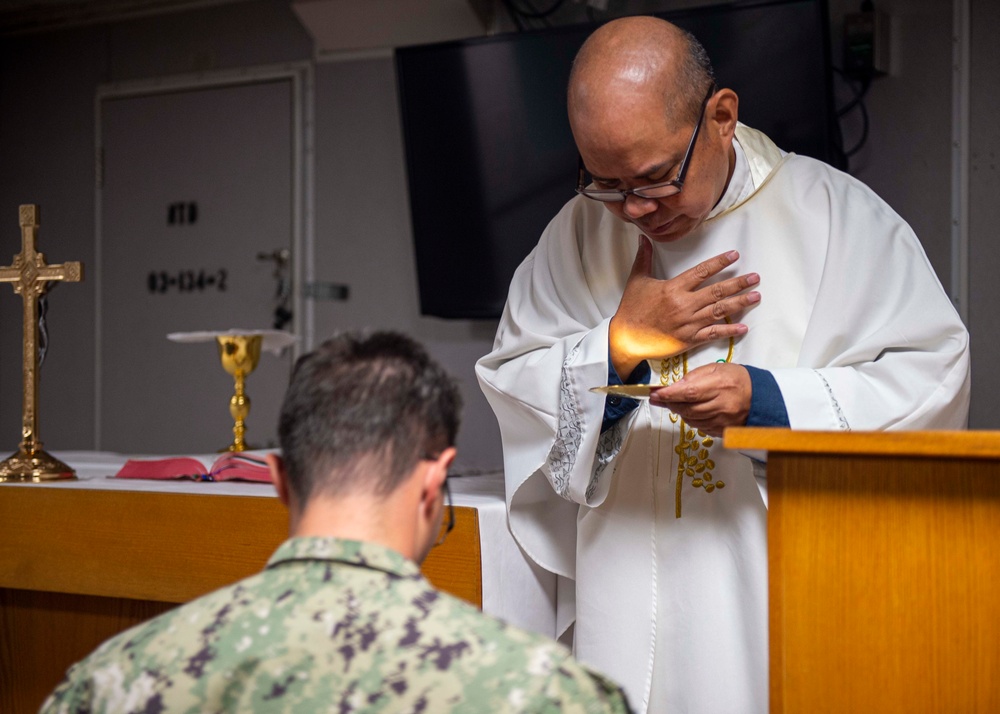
(239, 355)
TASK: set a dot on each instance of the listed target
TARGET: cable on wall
(862, 42)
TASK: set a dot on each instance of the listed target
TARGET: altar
(82, 560)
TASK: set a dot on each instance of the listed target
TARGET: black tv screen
(489, 154)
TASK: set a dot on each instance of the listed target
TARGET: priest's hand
(709, 398)
(661, 318)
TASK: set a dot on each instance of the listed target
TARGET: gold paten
(30, 277)
(239, 355)
(632, 391)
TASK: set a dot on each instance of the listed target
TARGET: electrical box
(866, 44)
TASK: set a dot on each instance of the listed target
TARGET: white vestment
(852, 323)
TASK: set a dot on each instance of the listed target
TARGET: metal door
(195, 185)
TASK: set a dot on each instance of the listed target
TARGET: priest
(748, 287)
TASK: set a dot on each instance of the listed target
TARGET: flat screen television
(490, 158)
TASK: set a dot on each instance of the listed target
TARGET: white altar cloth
(514, 589)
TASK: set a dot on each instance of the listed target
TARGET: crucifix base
(34, 467)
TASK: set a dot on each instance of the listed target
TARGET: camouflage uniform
(331, 625)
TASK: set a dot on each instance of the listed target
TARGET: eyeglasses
(447, 526)
(656, 190)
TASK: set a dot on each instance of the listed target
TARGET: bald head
(637, 63)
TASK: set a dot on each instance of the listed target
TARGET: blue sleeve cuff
(767, 406)
(616, 407)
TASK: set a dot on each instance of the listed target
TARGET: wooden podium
(884, 570)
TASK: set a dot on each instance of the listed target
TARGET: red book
(230, 466)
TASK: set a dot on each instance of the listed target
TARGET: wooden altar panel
(884, 587)
(78, 566)
(42, 633)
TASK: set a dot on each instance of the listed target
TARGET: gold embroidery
(694, 460)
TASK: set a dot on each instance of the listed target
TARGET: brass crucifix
(30, 277)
